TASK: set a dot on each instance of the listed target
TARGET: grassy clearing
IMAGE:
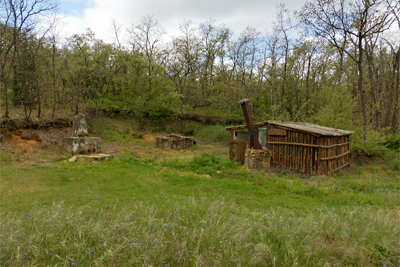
(205, 211)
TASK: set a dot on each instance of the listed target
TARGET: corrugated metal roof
(301, 126)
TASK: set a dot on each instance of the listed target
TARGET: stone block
(174, 142)
(82, 145)
(79, 126)
(257, 159)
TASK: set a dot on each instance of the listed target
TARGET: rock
(73, 159)
(29, 135)
(79, 126)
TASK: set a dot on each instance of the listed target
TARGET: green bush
(210, 163)
(215, 134)
(392, 141)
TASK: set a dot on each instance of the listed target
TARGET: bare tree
(17, 17)
(352, 20)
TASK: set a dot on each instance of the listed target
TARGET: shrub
(210, 163)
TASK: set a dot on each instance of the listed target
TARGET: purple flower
(134, 241)
(30, 243)
(156, 240)
(73, 264)
(304, 242)
(183, 236)
(166, 225)
(51, 255)
(269, 213)
(97, 197)
(191, 222)
(72, 198)
(89, 215)
(101, 196)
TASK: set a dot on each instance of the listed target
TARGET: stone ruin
(257, 159)
(79, 143)
(175, 142)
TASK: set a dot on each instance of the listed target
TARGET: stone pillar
(257, 159)
(79, 126)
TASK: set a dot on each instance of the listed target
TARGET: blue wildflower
(166, 225)
(51, 255)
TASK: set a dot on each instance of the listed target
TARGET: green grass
(114, 213)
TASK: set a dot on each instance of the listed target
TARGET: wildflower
(30, 243)
(156, 240)
(170, 216)
(72, 198)
(89, 215)
(166, 265)
(229, 229)
(269, 213)
(293, 215)
(191, 222)
(134, 241)
(97, 197)
(30, 215)
(101, 196)
(51, 255)
(316, 223)
(304, 242)
(183, 236)
(166, 225)
(297, 237)
(234, 260)
(73, 264)
(148, 228)
(62, 209)
(343, 198)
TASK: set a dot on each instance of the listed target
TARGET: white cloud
(236, 14)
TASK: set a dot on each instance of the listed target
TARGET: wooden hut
(300, 147)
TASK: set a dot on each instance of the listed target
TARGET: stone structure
(257, 159)
(175, 142)
(79, 126)
(79, 143)
(83, 145)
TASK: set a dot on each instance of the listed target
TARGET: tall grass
(184, 230)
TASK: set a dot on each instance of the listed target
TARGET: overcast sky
(236, 14)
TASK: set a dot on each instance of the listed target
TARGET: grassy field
(196, 208)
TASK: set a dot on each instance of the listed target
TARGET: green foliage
(392, 141)
(214, 134)
(374, 145)
(211, 163)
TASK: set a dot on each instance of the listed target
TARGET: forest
(333, 62)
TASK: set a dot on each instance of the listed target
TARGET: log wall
(305, 152)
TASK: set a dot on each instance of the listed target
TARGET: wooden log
(335, 157)
(341, 167)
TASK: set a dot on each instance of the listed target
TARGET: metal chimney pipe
(254, 144)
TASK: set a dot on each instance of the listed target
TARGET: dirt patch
(149, 137)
